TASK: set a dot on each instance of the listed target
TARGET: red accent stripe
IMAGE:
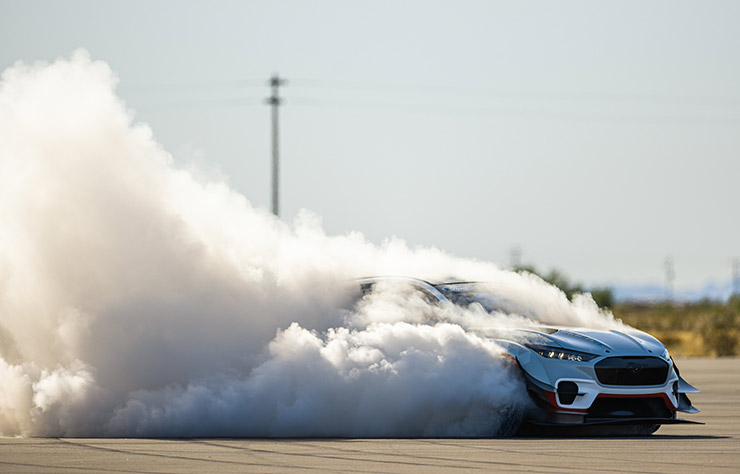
(662, 395)
(552, 398)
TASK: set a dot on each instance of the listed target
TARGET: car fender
(528, 361)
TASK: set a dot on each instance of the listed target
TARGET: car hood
(630, 342)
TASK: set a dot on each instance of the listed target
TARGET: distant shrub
(604, 297)
(720, 334)
(704, 328)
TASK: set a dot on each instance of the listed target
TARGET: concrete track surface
(714, 447)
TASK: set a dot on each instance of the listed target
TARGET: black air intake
(610, 408)
(567, 392)
(632, 371)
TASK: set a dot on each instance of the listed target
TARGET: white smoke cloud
(137, 299)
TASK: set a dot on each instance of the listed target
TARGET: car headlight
(561, 354)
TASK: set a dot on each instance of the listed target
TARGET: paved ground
(714, 447)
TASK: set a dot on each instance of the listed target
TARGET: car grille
(632, 371)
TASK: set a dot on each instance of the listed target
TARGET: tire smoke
(137, 299)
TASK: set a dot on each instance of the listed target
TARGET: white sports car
(598, 381)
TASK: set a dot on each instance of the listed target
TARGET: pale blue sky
(600, 137)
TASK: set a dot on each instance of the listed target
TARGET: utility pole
(670, 276)
(275, 100)
(736, 277)
(515, 257)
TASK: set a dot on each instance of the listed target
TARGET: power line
(202, 103)
(448, 100)
(479, 110)
(174, 86)
(499, 93)
(482, 109)
(444, 90)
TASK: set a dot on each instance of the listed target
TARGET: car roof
(425, 285)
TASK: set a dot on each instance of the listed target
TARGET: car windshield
(466, 298)
(465, 294)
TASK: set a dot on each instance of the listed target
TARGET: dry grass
(695, 329)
